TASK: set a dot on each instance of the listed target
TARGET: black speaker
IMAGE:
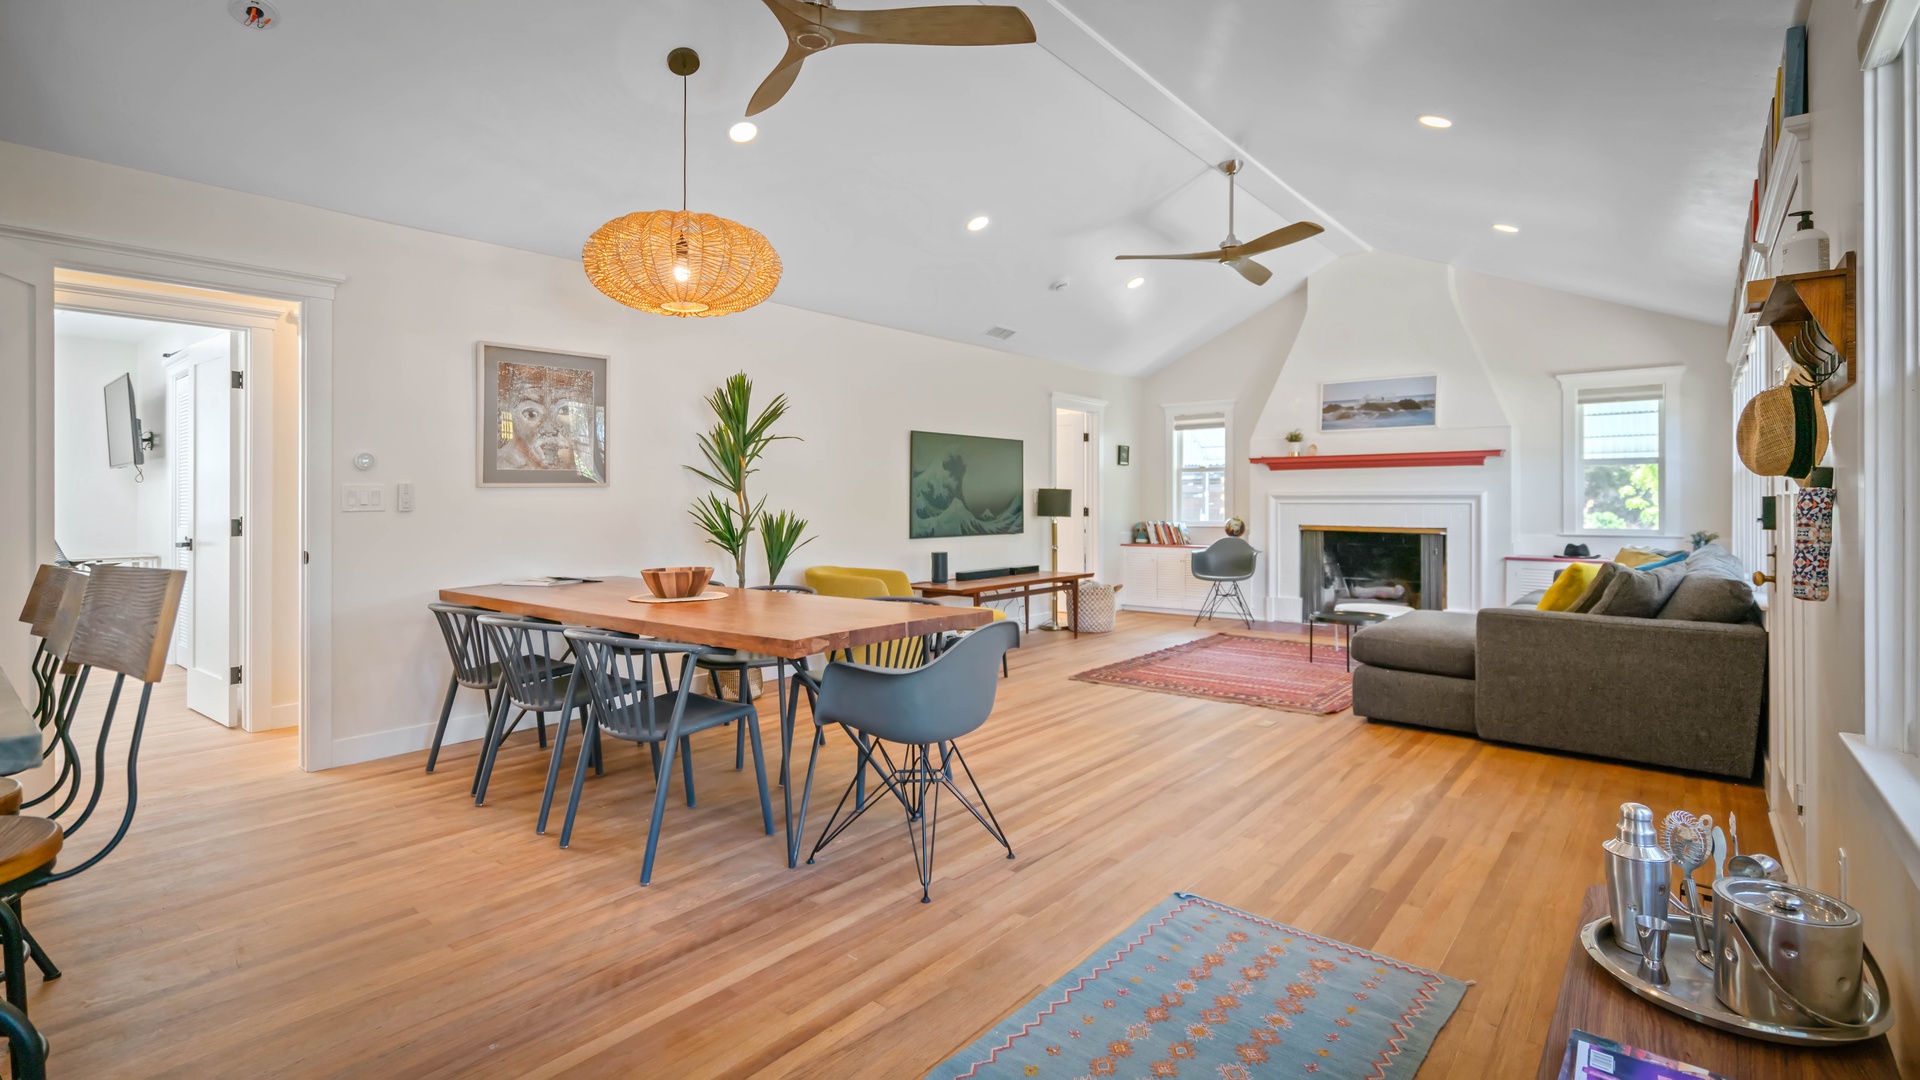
(1015, 571)
(981, 575)
(939, 568)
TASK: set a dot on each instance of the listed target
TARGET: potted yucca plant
(733, 447)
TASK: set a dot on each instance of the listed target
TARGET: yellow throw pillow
(1569, 587)
(1635, 556)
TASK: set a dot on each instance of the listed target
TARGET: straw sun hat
(1783, 431)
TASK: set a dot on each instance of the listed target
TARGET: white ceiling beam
(1095, 59)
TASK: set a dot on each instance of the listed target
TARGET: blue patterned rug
(1197, 989)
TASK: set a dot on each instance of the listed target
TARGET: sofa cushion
(1640, 594)
(1715, 589)
(1601, 579)
(1434, 642)
(1412, 697)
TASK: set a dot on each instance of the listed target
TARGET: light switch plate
(362, 498)
(403, 497)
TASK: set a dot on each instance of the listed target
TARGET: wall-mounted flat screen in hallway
(123, 427)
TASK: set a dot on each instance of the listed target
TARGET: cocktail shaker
(1639, 874)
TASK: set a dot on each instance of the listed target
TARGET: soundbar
(1004, 571)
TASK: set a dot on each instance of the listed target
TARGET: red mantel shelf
(1433, 459)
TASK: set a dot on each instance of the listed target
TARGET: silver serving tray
(1691, 993)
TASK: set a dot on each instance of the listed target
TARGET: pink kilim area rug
(1246, 670)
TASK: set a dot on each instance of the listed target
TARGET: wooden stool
(10, 795)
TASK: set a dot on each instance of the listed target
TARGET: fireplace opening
(1390, 571)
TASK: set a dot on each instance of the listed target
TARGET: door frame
(1096, 502)
(314, 294)
(251, 327)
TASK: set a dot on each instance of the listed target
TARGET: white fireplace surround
(1461, 514)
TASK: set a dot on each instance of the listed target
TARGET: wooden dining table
(789, 626)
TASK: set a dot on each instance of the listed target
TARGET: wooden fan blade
(1207, 256)
(1278, 238)
(958, 24)
(776, 85)
(1251, 270)
(794, 15)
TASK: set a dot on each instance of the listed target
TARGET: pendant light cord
(682, 145)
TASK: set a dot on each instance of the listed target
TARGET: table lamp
(1053, 503)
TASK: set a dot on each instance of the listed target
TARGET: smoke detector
(253, 14)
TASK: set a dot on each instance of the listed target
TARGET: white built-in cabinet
(1160, 578)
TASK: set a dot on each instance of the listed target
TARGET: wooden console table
(1594, 1002)
(1017, 587)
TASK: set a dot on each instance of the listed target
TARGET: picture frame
(1408, 401)
(541, 417)
(965, 485)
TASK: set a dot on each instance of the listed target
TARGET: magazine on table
(549, 582)
(1590, 1057)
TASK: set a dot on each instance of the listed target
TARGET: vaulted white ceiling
(1620, 136)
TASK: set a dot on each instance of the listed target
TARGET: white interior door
(1076, 467)
(213, 571)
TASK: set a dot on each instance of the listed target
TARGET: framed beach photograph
(542, 417)
(965, 485)
(1370, 404)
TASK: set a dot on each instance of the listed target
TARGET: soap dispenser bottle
(1804, 249)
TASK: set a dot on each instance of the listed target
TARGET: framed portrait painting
(543, 417)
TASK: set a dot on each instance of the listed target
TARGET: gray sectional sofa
(1682, 689)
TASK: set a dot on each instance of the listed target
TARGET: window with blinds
(1622, 456)
(1200, 468)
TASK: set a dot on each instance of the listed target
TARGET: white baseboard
(1160, 610)
(280, 716)
(461, 727)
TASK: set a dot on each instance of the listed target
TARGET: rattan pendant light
(675, 262)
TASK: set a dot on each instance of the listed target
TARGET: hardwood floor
(371, 922)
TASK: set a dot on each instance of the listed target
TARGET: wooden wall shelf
(1794, 303)
(1429, 459)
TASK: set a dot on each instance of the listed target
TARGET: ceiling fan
(1232, 251)
(812, 28)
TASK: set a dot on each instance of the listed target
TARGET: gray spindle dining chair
(738, 663)
(536, 676)
(473, 667)
(633, 704)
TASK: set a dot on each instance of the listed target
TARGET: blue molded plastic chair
(926, 709)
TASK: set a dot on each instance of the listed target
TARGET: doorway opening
(193, 462)
(1075, 540)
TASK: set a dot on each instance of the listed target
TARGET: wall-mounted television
(123, 425)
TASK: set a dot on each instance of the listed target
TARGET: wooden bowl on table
(677, 582)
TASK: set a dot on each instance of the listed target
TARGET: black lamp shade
(1054, 502)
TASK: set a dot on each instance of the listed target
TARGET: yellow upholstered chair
(865, 583)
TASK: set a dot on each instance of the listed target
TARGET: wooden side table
(1594, 1002)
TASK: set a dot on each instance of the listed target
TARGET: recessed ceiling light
(976, 224)
(1505, 228)
(1436, 121)
(1136, 283)
(744, 131)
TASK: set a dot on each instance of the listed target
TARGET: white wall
(1840, 811)
(1527, 334)
(96, 507)
(405, 323)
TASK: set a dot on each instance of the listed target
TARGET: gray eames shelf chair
(1224, 564)
(632, 703)
(925, 710)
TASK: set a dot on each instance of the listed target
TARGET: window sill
(1894, 780)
